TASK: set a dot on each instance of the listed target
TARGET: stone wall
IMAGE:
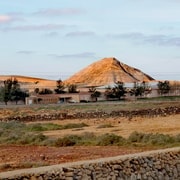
(159, 165)
(149, 113)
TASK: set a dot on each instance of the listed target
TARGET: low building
(59, 98)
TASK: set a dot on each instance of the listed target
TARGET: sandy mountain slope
(30, 82)
(107, 71)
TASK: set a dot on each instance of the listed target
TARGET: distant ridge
(107, 71)
(30, 83)
(21, 78)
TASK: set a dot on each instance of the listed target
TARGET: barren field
(122, 126)
(26, 156)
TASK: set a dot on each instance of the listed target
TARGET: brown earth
(15, 157)
(19, 157)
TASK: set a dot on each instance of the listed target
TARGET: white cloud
(78, 55)
(157, 39)
(51, 34)
(25, 52)
(43, 27)
(8, 18)
(80, 34)
(59, 12)
(5, 18)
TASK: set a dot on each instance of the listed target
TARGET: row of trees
(139, 90)
(11, 91)
(60, 89)
(118, 91)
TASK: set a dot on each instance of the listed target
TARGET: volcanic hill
(107, 71)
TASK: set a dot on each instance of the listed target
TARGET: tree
(36, 90)
(59, 87)
(15, 91)
(118, 91)
(11, 91)
(109, 93)
(140, 89)
(6, 90)
(163, 87)
(72, 88)
(94, 93)
(46, 91)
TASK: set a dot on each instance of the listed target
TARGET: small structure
(59, 98)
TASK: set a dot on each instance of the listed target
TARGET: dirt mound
(107, 71)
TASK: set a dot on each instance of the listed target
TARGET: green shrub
(153, 139)
(161, 139)
(177, 138)
(36, 127)
(43, 127)
(48, 142)
(12, 125)
(135, 137)
(1, 132)
(73, 125)
(65, 141)
(105, 126)
(109, 139)
(87, 138)
(34, 139)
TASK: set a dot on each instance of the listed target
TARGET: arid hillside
(107, 71)
(30, 82)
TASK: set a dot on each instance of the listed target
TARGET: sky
(54, 39)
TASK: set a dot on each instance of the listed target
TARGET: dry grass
(122, 126)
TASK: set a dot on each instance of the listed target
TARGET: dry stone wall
(158, 165)
(150, 113)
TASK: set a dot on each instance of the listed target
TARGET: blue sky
(56, 38)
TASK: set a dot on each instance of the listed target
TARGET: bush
(135, 137)
(161, 139)
(72, 126)
(34, 139)
(105, 126)
(65, 141)
(153, 139)
(43, 127)
(12, 125)
(36, 127)
(87, 138)
(177, 138)
(71, 140)
(110, 139)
